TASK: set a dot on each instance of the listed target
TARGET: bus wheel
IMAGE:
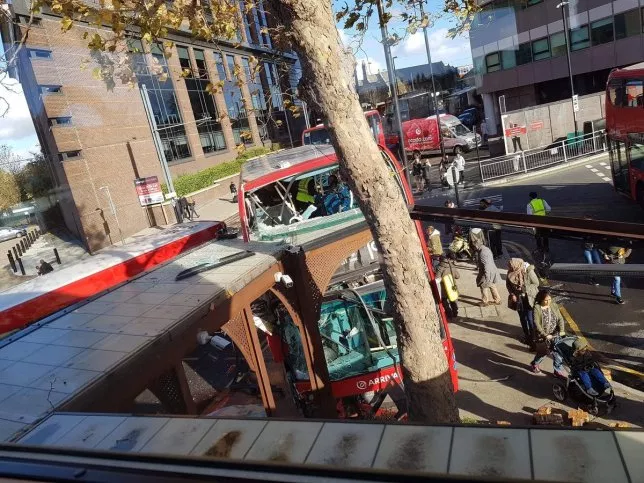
(457, 150)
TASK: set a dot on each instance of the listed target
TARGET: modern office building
(519, 49)
(100, 136)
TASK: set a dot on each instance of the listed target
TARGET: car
(9, 233)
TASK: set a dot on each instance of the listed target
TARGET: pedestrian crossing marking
(599, 173)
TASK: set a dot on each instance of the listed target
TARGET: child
(584, 365)
(448, 273)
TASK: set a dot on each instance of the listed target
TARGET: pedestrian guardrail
(542, 157)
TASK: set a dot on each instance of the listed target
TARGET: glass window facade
(271, 86)
(221, 69)
(163, 100)
(601, 31)
(558, 44)
(540, 49)
(627, 24)
(203, 105)
(235, 104)
(230, 63)
(579, 38)
(508, 59)
(524, 54)
(493, 62)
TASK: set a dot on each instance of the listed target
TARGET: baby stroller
(603, 403)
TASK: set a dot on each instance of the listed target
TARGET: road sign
(575, 103)
(149, 190)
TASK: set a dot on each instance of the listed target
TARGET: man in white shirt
(459, 162)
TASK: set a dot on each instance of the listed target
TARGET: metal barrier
(542, 157)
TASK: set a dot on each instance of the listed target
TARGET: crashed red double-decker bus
(298, 191)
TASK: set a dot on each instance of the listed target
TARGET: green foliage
(189, 183)
(9, 192)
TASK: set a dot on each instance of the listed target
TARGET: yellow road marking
(575, 328)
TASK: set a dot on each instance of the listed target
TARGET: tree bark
(328, 83)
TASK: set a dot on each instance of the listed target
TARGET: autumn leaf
(66, 23)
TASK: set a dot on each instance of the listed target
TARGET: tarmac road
(585, 189)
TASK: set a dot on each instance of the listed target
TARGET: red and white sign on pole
(149, 190)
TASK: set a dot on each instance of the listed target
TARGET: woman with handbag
(447, 274)
(549, 326)
(523, 285)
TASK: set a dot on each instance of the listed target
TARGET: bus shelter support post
(173, 391)
(308, 297)
(261, 372)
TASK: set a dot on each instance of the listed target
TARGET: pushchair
(572, 386)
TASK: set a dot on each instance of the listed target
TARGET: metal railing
(542, 157)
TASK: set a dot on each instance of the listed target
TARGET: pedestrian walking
(183, 207)
(549, 327)
(44, 268)
(191, 208)
(233, 191)
(539, 207)
(495, 234)
(522, 283)
(417, 171)
(446, 275)
(427, 174)
(459, 162)
(434, 243)
(617, 255)
(592, 256)
(488, 276)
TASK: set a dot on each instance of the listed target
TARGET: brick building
(100, 137)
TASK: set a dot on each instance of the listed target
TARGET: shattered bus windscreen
(300, 204)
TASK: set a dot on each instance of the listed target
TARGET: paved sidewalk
(69, 250)
(494, 367)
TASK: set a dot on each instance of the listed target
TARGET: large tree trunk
(327, 83)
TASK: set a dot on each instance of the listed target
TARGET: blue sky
(411, 50)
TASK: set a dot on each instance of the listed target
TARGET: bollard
(11, 261)
(15, 252)
(19, 250)
(32, 236)
(57, 256)
(22, 268)
(23, 245)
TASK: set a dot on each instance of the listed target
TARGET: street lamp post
(392, 82)
(562, 6)
(431, 74)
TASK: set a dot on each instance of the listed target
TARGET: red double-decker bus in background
(625, 130)
(320, 134)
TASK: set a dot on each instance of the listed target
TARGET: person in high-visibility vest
(306, 191)
(539, 207)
